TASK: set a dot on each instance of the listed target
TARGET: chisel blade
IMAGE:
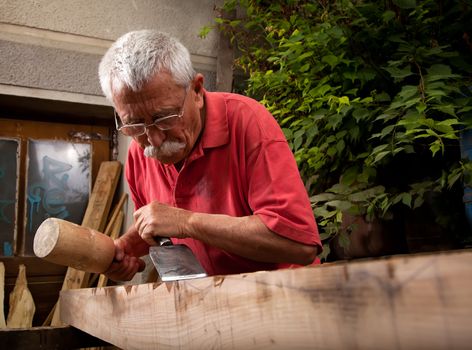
(175, 262)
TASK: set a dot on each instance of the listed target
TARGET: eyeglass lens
(165, 123)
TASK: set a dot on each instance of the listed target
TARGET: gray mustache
(167, 148)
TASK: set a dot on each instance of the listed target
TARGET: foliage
(371, 95)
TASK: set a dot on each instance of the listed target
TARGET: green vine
(371, 95)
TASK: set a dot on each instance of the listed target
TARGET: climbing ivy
(372, 97)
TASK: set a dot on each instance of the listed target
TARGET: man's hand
(246, 236)
(125, 264)
(160, 220)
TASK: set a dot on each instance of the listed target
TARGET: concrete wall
(50, 49)
(55, 45)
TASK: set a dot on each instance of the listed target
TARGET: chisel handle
(65, 243)
(162, 241)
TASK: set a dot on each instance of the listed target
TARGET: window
(46, 170)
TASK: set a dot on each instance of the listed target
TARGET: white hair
(138, 56)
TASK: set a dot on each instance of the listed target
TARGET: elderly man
(210, 170)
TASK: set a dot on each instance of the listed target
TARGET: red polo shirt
(241, 166)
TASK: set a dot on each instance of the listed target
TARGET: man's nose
(155, 136)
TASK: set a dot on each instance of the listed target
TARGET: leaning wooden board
(95, 218)
(403, 302)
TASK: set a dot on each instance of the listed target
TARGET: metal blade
(175, 262)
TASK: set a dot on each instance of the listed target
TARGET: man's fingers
(125, 269)
(141, 265)
(148, 237)
(119, 250)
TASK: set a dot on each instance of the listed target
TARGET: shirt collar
(216, 131)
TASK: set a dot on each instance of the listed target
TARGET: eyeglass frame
(146, 126)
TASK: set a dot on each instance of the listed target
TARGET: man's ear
(197, 85)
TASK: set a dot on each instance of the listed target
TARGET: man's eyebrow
(130, 120)
(166, 111)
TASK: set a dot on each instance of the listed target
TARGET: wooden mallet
(65, 243)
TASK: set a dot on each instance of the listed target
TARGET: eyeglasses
(161, 122)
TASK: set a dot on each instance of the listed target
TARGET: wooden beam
(404, 302)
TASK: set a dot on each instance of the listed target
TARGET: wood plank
(47, 338)
(403, 302)
(116, 211)
(22, 306)
(95, 218)
(96, 214)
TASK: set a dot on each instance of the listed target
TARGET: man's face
(158, 99)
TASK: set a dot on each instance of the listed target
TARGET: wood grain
(22, 306)
(404, 302)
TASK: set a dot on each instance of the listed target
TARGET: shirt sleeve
(278, 197)
(276, 192)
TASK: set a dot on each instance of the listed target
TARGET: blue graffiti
(3, 204)
(50, 192)
(7, 249)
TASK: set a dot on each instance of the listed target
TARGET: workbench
(401, 302)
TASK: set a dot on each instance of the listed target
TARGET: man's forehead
(161, 84)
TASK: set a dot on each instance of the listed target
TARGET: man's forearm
(248, 237)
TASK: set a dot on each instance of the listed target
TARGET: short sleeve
(277, 194)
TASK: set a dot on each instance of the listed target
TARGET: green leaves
(440, 72)
(363, 91)
(399, 73)
(405, 4)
